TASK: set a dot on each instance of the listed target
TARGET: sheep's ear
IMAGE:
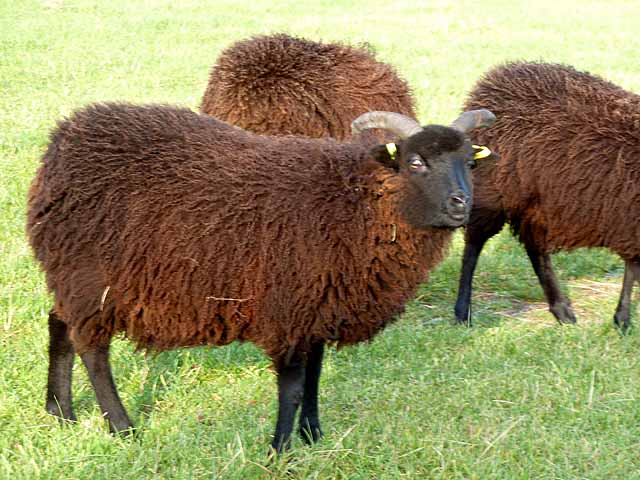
(387, 155)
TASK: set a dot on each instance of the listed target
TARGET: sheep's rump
(569, 172)
(181, 230)
(283, 85)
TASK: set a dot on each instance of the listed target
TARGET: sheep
(180, 230)
(282, 85)
(568, 174)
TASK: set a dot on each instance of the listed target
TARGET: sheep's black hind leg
(559, 305)
(622, 317)
(61, 355)
(309, 420)
(97, 363)
(290, 391)
(476, 235)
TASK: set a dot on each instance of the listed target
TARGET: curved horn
(473, 119)
(397, 123)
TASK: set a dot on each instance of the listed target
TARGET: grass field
(516, 397)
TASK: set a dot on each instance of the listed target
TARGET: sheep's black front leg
(559, 305)
(97, 363)
(465, 286)
(290, 391)
(61, 355)
(309, 421)
(622, 317)
(481, 228)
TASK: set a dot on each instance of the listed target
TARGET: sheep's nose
(458, 202)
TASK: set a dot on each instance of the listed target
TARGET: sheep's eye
(472, 164)
(415, 161)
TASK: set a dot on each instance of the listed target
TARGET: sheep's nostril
(457, 205)
(458, 202)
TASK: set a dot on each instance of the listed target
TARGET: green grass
(516, 397)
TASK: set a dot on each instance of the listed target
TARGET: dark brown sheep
(178, 230)
(281, 85)
(568, 176)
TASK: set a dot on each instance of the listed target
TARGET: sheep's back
(569, 144)
(282, 85)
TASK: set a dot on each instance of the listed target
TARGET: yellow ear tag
(482, 152)
(392, 149)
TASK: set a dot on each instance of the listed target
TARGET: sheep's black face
(437, 163)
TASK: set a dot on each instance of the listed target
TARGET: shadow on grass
(505, 263)
(505, 285)
(154, 375)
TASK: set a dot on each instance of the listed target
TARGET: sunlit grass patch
(516, 396)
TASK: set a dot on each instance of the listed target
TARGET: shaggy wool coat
(281, 85)
(569, 168)
(143, 226)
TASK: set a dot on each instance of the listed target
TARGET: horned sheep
(180, 230)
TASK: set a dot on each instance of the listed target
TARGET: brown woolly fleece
(281, 85)
(180, 230)
(569, 168)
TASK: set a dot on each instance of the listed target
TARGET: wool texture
(569, 169)
(283, 85)
(178, 230)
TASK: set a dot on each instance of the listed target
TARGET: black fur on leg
(61, 356)
(465, 286)
(483, 225)
(97, 363)
(291, 381)
(309, 425)
(622, 317)
(559, 305)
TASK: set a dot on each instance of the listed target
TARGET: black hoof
(311, 434)
(462, 322)
(463, 317)
(53, 408)
(279, 447)
(622, 323)
(563, 313)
